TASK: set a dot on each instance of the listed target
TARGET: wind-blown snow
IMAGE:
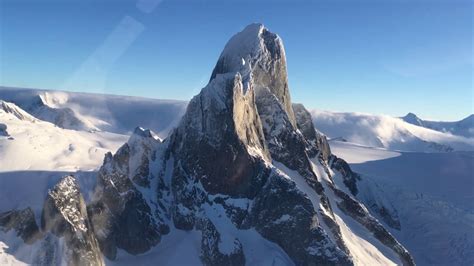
(111, 113)
(387, 132)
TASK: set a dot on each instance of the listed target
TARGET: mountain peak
(413, 119)
(146, 133)
(17, 112)
(240, 50)
(259, 56)
(247, 48)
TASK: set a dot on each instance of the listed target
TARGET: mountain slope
(34, 144)
(463, 127)
(387, 132)
(425, 199)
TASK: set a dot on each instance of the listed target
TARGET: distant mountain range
(464, 127)
(388, 132)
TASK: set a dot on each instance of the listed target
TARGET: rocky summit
(245, 168)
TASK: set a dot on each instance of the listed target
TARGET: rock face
(17, 112)
(225, 150)
(121, 215)
(224, 156)
(23, 222)
(261, 61)
(3, 130)
(65, 215)
(317, 142)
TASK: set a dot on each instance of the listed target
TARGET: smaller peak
(469, 118)
(254, 45)
(410, 114)
(13, 109)
(413, 119)
(142, 132)
(145, 133)
(66, 184)
(68, 179)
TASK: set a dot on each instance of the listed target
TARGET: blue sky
(384, 56)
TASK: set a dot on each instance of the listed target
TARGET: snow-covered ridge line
(92, 111)
(387, 132)
(464, 127)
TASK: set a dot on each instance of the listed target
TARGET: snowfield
(432, 194)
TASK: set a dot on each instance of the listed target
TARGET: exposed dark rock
(65, 215)
(120, 214)
(282, 214)
(214, 140)
(23, 222)
(13, 109)
(317, 143)
(3, 130)
(359, 213)
(210, 251)
(349, 177)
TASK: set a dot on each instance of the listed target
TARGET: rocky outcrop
(3, 130)
(284, 215)
(317, 143)
(211, 254)
(259, 56)
(359, 213)
(14, 110)
(122, 214)
(65, 215)
(349, 178)
(23, 222)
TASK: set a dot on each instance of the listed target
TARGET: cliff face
(65, 215)
(242, 156)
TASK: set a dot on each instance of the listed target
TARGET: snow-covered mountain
(243, 179)
(464, 127)
(238, 175)
(387, 132)
(97, 112)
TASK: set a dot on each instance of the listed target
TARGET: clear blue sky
(380, 56)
